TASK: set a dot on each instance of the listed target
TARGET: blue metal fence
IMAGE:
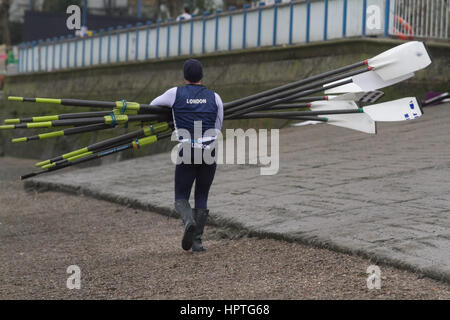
(294, 22)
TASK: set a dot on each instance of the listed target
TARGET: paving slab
(384, 196)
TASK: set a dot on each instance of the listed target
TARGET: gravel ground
(125, 253)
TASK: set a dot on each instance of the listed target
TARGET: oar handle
(29, 175)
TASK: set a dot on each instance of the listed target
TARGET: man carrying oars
(194, 107)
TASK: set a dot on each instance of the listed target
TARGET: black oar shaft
(89, 121)
(70, 131)
(285, 99)
(289, 106)
(298, 113)
(240, 109)
(144, 108)
(63, 116)
(293, 84)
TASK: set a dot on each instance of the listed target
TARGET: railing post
(191, 35)
(136, 48)
(61, 39)
(69, 39)
(91, 59)
(20, 58)
(386, 18)
(75, 52)
(325, 23)
(26, 57)
(258, 41)
(157, 37)
(119, 28)
(47, 44)
(364, 18)
(108, 54)
(244, 26)
(168, 37)
(127, 37)
(308, 19)
(230, 27)
(179, 35)
(291, 21)
(344, 19)
(83, 49)
(19, 66)
(216, 35)
(275, 22)
(147, 36)
(33, 44)
(39, 46)
(54, 52)
(206, 13)
(100, 44)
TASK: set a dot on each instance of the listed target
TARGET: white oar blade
(355, 121)
(397, 110)
(332, 105)
(367, 81)
(370, 81)
(400, 60)
(362, 97)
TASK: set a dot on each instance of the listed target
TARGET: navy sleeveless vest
(194, 103)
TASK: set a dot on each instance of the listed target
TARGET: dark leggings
(186, 174)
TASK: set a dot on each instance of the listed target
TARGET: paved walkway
(385, 196)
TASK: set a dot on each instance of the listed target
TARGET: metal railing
(421, 19)
(279, 24)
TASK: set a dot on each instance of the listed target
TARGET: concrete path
(385, 196)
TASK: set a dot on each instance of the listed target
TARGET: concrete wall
(232, 75)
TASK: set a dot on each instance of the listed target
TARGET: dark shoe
(184, 210)
(200, 216)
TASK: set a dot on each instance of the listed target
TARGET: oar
(137, 144)
(288, 94)
(112, 120)
(400, 61)
(144, 132)
(82, 155)
(121, 105)
(292, 85)
(435, 100)
(347, 114)
(364, 82)
(64, 116)
(360, 97)
(397, 110)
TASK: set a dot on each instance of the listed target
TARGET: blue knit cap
(193, 70)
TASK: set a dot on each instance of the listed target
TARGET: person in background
(186, 15)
